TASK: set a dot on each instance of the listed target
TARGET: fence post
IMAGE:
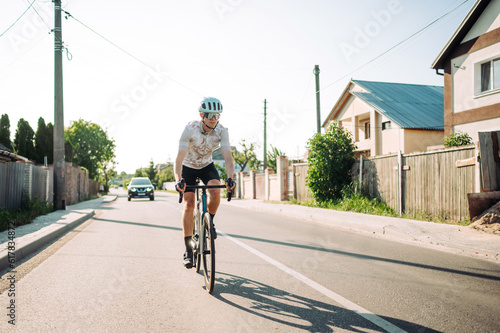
(360, 172)
(28, 180)
(282, 166)
(267, 182)
(252, 183)
(400, 183)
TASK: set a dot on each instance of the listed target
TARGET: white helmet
(210, 104)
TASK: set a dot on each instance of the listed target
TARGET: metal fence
(25, 180)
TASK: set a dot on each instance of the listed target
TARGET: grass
(359, 203)
(29, 210)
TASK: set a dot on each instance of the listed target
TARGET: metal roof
(410, 106)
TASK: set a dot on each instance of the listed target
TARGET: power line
(392, 48)
(18, 19)
(130, 54)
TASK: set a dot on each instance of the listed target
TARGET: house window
(386, 125)
(367, 130)
(490, 75)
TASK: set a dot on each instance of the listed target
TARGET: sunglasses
(211, 115)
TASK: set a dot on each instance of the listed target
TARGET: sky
(140, 68)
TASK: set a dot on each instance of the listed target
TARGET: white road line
(382, 323)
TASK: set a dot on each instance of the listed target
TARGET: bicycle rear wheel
(208, 254)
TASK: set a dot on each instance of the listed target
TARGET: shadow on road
(269, 303)
(368, 257)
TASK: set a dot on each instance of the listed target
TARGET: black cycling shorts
(206, 174)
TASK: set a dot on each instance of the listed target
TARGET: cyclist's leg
(214, 198)
(189, 176)
(211, 177)
(187, 214)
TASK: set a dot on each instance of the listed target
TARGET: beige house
(471, 64)
(388, 117)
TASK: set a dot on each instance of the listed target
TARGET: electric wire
(393, 47)
(131, 55)
(3, 33)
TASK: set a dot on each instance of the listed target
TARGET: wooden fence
(431, 183)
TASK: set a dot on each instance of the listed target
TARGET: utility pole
(318, 109)
(265, 135)
(59, 163)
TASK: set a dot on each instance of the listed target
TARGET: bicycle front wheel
(208, 254)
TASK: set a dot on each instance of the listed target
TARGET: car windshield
(140, 182)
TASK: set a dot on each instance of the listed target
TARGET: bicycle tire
(208, 254)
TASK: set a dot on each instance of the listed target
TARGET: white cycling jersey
(199, 144)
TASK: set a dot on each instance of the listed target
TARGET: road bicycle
(204, 235)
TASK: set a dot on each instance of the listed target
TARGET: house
(471, 64)
(386, 117)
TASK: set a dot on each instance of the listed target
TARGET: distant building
(386, 117)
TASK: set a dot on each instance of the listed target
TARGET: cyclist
(194, 160)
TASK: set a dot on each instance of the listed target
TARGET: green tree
(44, 142)
(23, 140)
(222, 171)
(5, 132)
(166, 175)
(272, 157)
(151, 172)
(458, 139)
(88, 145)
(140, 173)
(331, 157)
(247, 156)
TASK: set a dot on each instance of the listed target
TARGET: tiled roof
(410, 106)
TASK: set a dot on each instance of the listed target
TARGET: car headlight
(149, 189)
(133, 189)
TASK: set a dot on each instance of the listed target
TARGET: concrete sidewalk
(29, 238)
(451, 238)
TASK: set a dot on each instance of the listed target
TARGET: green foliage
(5, 132)
(166, 175)
(23, 140)
(151, 172)
(222, 171)
(272, 157)
(331, 157)
(247, 156)
(24, 215)
(44, 142)
(458, 139)
(140, 173)
(88, 145)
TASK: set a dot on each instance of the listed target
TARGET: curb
(448, 238)
(30, 243)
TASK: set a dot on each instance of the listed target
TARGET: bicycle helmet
(210, 104)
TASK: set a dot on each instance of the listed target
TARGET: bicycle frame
(204, 235)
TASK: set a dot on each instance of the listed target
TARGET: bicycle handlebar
(229, 194)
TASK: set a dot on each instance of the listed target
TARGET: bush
(26, 214)
(458, 139)
(331, 157)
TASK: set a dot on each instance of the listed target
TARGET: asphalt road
(122, 272)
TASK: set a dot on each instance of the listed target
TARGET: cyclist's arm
(228, 158)
(178, 165)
